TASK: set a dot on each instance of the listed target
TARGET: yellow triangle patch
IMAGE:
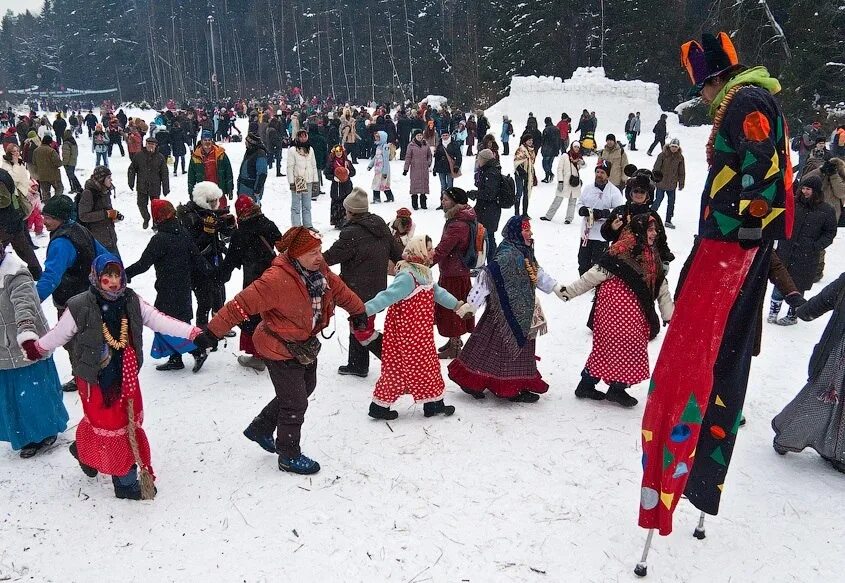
(647, 435)
(666, 498)
(724, 176)
(719, 401)
(775, 212)
(743, 204)
(721, 487)
(775, 167)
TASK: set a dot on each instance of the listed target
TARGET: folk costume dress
(409, 363)
(816, 416)
(106, 328)
(500, 354)
(341, 185)
(629, 279)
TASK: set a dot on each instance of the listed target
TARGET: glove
(361, 321)
(795, 300)
(404, 173)
(112, 214)
(206, 340)
(601, 214)
(465, 310)
(583, 212)
(560, 291)
(31, 350)
(666, 323)
(366, 333)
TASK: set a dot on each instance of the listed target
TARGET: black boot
(389, 194)
(616, 393)
(423, 202)
(70, 386)
(475, 395)
(87, 470)
(437, 408)
(415, 198)
(525, 397)
(200, 356)
(379, 412)
(174, 363)
(586, 389)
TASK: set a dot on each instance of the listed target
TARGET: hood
(11, 264)
(94, 186)
(205, 193)
(668, 152)
(374, 224)
(758, 76)
(461, 212)
(381, 138)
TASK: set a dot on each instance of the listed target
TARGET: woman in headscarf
(500, 354)
(380, 165)
(106, 324)
(31, 408)
(409, 363)
(338, 170)
(629, 278)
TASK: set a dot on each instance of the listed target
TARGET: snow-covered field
(498, 492)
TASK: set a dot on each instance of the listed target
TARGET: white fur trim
(205, 193)
(25, 335)
(11, 265)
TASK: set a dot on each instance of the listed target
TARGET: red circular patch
(717, 432)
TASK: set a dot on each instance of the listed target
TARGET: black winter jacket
(813, 230)
(151, 173)
(251, 248)
(441, 164)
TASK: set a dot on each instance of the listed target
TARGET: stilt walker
(698, 387)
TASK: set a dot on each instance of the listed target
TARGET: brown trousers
(293, 383)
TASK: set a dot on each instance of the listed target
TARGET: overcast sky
(20, 5)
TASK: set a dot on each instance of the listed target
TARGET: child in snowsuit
(105, 324)
(409, 363)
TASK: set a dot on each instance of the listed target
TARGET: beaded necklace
(124, 335)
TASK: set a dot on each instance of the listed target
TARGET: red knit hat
(298, 241)
(243, 205)
(403, 212)
(162, 210)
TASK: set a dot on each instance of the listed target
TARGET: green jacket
(196, 170)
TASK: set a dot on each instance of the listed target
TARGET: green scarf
(758, 76)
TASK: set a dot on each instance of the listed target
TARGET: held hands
(30, 350)
(560, 291)
(205, 340)
(465, 310)
(364, 328)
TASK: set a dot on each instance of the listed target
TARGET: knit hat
(152, 140)
(253, 140)
(458, 195)
(298, 241)
(31, 134)
(702, 61)
(206, 135)
(403, 213)
(610, 137)
(59, 207)
(244, 205)
(674, 142)
(814, 182)
(605, 165)
(358, 201)
(484, 156)
(162, 210)
(341, 173)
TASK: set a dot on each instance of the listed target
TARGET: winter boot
(586, 389)
(346, 370)
(474, 394)
(173, 363)
(617, 394)
(379, 412)
(423, 202)
(252, 362)
(146, 224)
(70, 386)
(445, 346)
(200, 356)
(789, 320)
(376, 196)
(265, 440)
(301, 464)
(389, 194)
(525, 397)
(87, 470)
(774, 310)
(415, 201)
(453, 349)
(30, 449)
(437, 408)
(131, 492)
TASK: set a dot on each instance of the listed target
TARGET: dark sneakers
(264, 440)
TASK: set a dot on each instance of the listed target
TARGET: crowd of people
(289, 294)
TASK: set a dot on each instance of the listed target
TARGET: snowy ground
(498, 492)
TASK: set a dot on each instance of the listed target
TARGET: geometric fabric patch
(692, 413)
(725, 223)
(725, 175)
(718, 457)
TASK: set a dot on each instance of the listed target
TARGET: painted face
(527, 235)
(110, 281)
(651, 233)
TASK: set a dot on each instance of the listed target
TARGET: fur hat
(641, 178)
(59, 207)
(162, 210)
(206, 194)
(100, 174)
(358, 201)
(253, 141)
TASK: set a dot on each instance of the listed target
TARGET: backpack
(507, 192)
(796, 143)
(476, 253)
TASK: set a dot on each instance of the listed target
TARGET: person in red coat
(454, 274)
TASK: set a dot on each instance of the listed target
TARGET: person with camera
(95, 210)
(568, 183)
